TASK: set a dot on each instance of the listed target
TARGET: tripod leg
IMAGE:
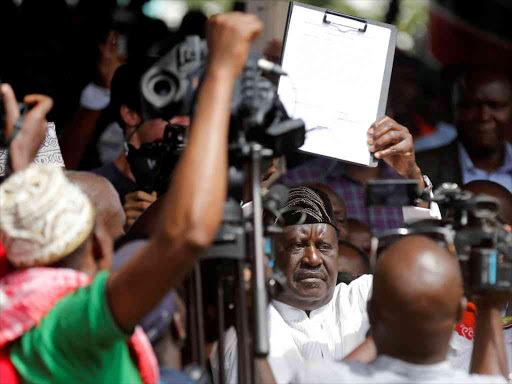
(220, 323)
(192, 318)
(242, 326)
(200, 318)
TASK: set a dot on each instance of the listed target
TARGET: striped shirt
(332, 173)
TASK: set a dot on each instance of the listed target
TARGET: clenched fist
(229, 39)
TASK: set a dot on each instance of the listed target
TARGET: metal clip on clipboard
(346, 21)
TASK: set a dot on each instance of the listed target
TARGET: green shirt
(78, 341)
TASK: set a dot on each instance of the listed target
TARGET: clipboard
(339, 69)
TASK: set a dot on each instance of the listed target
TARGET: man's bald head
(485, 187)
(417, 300)
(104, 198)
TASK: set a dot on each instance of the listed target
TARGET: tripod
(238, 243)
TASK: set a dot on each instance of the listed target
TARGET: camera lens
(162, 87)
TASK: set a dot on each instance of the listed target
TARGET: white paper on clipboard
(335, 82)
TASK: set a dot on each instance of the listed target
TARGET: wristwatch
(427, 191)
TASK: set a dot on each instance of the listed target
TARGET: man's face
(340, 214)
(483, 111)
(361, 238)
(349, 260)
(308, 255)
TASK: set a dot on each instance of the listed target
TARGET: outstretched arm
(489, 355)
(193, 206)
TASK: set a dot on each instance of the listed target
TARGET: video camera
(472, 229)
(483, 242)
(169, 89)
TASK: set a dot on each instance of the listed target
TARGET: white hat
(43, 216)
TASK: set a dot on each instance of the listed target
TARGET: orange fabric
(424, 127)
(466, 328)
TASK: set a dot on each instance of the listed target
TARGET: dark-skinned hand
(393, 143)
(25, 145)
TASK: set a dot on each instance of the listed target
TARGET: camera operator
(417, 300)
(23, 146)
(462, 341)
(126, 105)
(193, 210)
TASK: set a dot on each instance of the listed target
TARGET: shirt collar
(403, 368)
(467, 164)
(291, 314)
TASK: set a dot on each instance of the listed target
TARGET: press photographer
(126, 105)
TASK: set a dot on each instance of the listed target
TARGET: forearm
(489, 355)
(77, 135)
(192, 211)
(199, 182)
(264, 373)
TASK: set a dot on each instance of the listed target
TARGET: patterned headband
(315, 204)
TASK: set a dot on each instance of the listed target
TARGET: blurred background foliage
(410, 16)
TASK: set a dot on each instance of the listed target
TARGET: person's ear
(102, 249)
(129, 116)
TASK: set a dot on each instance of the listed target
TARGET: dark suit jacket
(441, 164)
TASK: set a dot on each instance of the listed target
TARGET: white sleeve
(230, 358)
(362, 289)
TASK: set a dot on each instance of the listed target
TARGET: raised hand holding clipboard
(339, 70)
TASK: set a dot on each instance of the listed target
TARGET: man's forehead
(306, 229)
(493, 82)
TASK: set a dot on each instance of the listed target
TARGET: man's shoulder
(354, 296)
(333, 372)
(360, 286)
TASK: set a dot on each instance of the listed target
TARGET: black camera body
(153, 163)
(482, 242)
(169, 88)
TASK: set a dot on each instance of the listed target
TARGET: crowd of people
(94, 260)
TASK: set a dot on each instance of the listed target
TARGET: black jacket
(441, 164)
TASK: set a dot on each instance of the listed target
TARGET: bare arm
(193, 206)
(489, 355)
(79, 131)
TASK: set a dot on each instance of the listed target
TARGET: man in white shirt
(417, 301)
(312, 318)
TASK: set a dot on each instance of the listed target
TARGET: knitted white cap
(42, 216)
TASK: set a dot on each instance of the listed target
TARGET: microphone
(269, 66)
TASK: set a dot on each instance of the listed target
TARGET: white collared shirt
(329, 333)
(384, 369)
(502, 175)
(461, 350)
